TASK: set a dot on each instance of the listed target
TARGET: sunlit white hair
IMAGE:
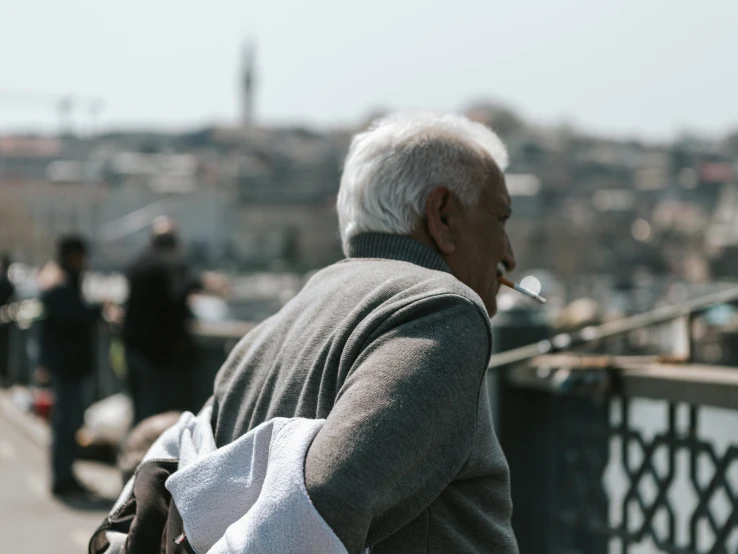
(391, 168)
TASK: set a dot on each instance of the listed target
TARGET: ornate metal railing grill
(648, 512)
(618, 454)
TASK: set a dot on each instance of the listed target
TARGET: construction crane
(65, 105)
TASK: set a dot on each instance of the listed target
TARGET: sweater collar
(395, 247)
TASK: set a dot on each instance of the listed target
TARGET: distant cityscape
(251, 197)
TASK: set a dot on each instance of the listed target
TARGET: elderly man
(391, 345)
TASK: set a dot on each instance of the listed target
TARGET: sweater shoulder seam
(485, 320)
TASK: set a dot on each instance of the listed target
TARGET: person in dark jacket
(67, 354)
(7, 290)
(159, 346)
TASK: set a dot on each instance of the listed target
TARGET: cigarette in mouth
(508, 283)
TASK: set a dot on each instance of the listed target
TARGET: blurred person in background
(67, 349)
(7, 290)
(159, 345)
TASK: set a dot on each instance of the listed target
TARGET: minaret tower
(247, 85)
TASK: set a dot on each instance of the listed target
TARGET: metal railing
(608, 452)
(19, 350)
(615, 453)
(682, 312)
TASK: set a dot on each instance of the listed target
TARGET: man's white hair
(391, 168)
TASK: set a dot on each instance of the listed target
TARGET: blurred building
(244, 197)
(248, 196)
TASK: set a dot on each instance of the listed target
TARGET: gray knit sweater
(391, 349)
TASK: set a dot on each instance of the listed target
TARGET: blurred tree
(500, 118)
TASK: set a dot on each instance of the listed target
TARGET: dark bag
(148, 518)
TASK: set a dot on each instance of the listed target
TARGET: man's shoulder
(401, 279)
(144, 262)
(55, 291)
(147, 268)
(375, 295)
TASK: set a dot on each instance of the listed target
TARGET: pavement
(31, 519)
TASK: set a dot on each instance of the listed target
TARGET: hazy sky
(643, 67)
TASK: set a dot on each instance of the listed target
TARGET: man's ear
(437, 213)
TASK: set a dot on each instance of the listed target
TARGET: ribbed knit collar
(395, 247)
